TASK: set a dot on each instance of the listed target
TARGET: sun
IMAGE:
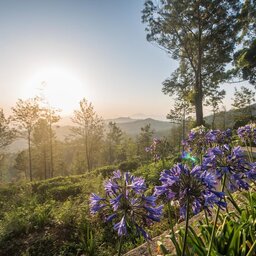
(59, 87)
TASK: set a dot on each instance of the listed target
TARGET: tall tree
(89, 128)
(144, 140)
(25, 115)
(51, 117)
(7, 134)
(41, 141)
(242, 101)
(21, 162)
(245, 58)
(201, 35)
(114, 138)
(214, 100)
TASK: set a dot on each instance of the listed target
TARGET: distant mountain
(228, 117)
(120, 120)
(134, 128)
(130, 126)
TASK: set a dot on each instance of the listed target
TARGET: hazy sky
(95, 49)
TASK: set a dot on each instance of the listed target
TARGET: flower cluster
(126, 202)
(247, 133)
(196, 141)
(231, 162)
(199, 139)
(153, 149)
(195, 187)
(218, 137)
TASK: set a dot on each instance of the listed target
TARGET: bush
(62, 193)
(105, 171)
(128, 165)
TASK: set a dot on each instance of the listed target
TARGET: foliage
(6, 133)
(25, 115)
(89, 128)
(201, 35)
(113, 142)
(243, 101)
(144, 140)
(131, 165)
(105, 171)
(245, 58)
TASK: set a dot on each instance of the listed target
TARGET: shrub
(105, 171)
(61, 193)
(128, 165)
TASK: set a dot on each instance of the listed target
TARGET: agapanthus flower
(251, 174)
(196, 141)
(125, 203)
(153, 149)
(218, 137)
(196, 186)
(247, 133)
(230, 161)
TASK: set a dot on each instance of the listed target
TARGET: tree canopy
(201, 35)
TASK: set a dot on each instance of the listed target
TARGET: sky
(97, 49)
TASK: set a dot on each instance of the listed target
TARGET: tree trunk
(29, 157)
(199, 85)
(213, 120)
(51, 151)
(199, 105)
(45, 165)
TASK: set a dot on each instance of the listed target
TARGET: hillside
(134, 128)
(227, 117)
(51, 217)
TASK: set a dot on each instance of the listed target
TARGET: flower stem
(149, 249)
(249, 152)
(186, 227)
(216, 219)
(120, 245)
(173, 237)
(206, 217)
(232, 200)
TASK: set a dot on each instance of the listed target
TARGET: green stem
(251, 204)
(120, 246)
(186, 227)
(206, 217)
(173, 238)
(216, 219)
(232, 200)
(251, 251)
(149, 249)
(249, 152)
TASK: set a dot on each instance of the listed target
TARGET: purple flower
(196, 141)
(247, 133)
(96, 203)
(218, 137)
(126, 204)
(121, 227)
(251, 174)
(116, 202)
(231, 162)
(196, 185)
(158, 149)
(199, 139)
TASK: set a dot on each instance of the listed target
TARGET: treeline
(90, 144)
